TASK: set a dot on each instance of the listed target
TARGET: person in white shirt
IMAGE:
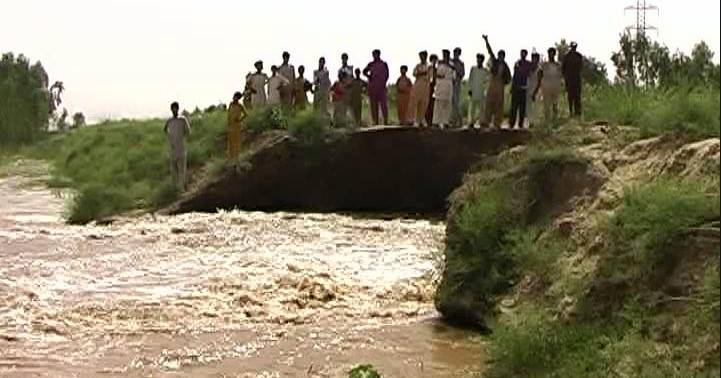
(321, 88)
(287, 71)
(177, 128)
(444, 91)
(257, 81)
(276, 85)
(478, 83)
(550, 84)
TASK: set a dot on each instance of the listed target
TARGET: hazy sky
(130, 58)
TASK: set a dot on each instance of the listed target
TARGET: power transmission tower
(641, 41)
(641, 26)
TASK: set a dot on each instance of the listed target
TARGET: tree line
(29, 104)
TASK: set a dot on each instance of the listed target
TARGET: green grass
(629, 344)
(494, 225)
(535, 253)
(477, 267)
(122, 165)
(651, 222)
(537, 346)
(691, 111)
(364, 371)
(309, 127)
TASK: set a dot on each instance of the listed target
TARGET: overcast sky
(131, 58)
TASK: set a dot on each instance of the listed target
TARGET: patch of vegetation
(537, 346)
(265, 119)
(692, 111)
(364, 371)
(24, 100)
(122, 165)
(645, 336)
(535, 252)
(309, 127)
(477, 266)
(95, 201)
(494, 223)
(645, 231)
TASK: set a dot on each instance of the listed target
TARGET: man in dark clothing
(572, 68)
(356, 89)
(434, 80)
(519, 90)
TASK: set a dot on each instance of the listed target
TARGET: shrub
(692, 112)
(540, 347)
(533, 254)
(266, 118)
(689, 110)
(119, 165)
(651, 222)
(309, 127)
(363, 371)
(93, 202)
(165, 194)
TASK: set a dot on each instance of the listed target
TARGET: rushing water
(232, 294)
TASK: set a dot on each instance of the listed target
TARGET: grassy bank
(632, 317)
(118, 166)
(691, 111)
(122, 165)
(580, 278)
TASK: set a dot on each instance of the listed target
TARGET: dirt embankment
(381, 169)
(617, 241)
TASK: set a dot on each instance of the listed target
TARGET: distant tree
(56, 92)
(642, 62)
(78, 120)
(625, 60)
(24, 99)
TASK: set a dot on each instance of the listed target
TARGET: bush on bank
(491, 226)
(122, 165)
(647, 334)
(693, 111)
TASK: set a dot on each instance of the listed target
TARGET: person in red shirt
(338, 93)
(404, 86)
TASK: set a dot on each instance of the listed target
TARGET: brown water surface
(233, 294)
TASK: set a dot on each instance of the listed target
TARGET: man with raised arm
(500, 77)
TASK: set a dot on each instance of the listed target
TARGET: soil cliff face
(380, 169)
(598, 259)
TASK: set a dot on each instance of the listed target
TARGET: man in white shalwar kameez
(478, 83)
(444, 91)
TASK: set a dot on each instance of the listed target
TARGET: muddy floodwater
(233, 294)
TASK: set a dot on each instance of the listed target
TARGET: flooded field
(232, 294)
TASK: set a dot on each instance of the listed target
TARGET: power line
(641, 26)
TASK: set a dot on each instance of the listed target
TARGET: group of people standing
(432, 97)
